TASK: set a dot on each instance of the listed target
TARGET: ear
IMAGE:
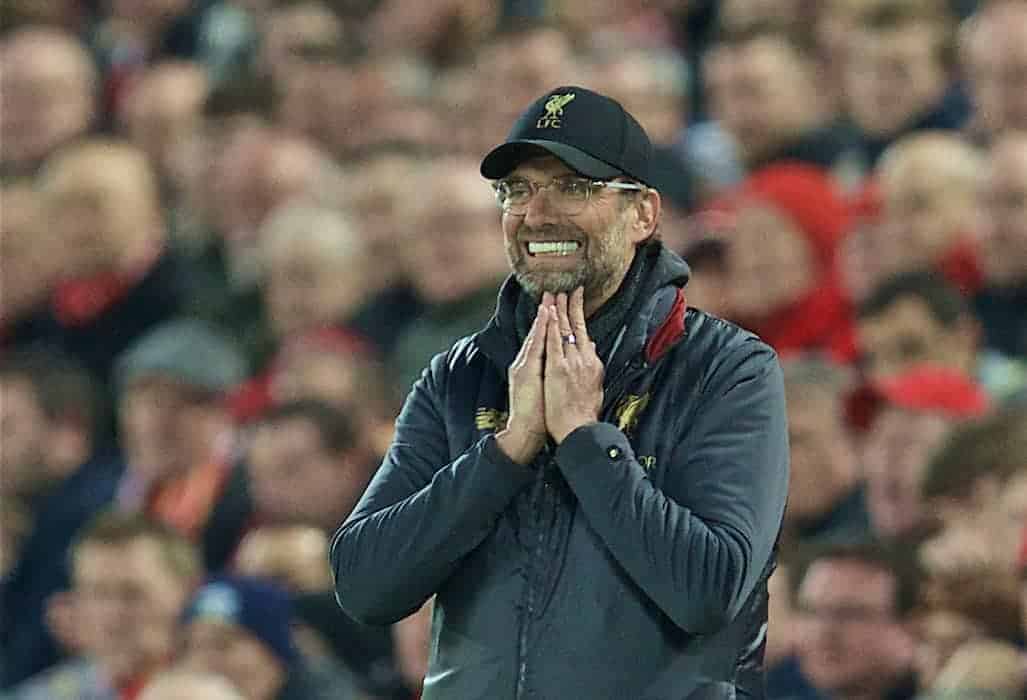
(649, 208)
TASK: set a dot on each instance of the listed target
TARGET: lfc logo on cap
(554, 110)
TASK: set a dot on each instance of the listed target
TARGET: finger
(554, 343)
(535, 342)
(528, 346)
(577, 314)
(561, 314)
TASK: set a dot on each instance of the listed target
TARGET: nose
(540, 210)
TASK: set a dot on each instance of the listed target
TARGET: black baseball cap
(592, 133)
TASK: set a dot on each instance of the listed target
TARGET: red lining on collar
(672, 328)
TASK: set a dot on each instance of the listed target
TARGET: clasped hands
(556, 380)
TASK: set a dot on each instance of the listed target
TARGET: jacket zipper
(537, 502)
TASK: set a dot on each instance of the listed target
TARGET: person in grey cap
(176, 433)
(591, 486)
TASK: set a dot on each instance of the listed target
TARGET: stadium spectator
(782, 261)
(769, 101)
(912, 319)
(177, 435)
(240, 628)
(929, 188)
(826, 496)
(49, 87)
(913, 414)
(131, 578)
(54, 467)
(995, 61)
(450, 259)
(854, 602)
(118, 278)
(900, 75)
(307, 465)
(1000, 305)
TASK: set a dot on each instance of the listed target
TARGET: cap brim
(502, 159)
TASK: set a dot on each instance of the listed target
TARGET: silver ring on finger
(570, 339)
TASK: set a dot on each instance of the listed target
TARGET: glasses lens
(567, 194)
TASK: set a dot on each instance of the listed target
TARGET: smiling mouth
(541, 249)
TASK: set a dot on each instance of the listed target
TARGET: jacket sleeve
(421, 513)
(698, 544)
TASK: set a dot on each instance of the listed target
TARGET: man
(916, 318)
(995, 58)
(131, 577)
(1000, 305)
(456, 281)
(899, 74)
(914, 412)
(118, 277)
(52, 465)
(826, 498)
(929, 188)
(49, 87)
(854, 601)
(768, 100)
(177, 434)
(240, 628)
(307, 465)
(602, 523)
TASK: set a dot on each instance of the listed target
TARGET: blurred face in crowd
(895, 456)
(47, 82)
(767, 97)
(231, 651)
(850, 640)
(291, 555)
(296, 479)
(996, 58)
(770, 263)
(451, 251)
(315, 270)
(163, 115)
(298, 35)
(102, 205)
(1004, 221)
(907, 333)
(374, 194)
(127, 601)
(29, 266)
(653, 89)
(822, 460)
(23, 432)
(607, 231)
(894, 76)
(515, 72)
(929, 190)
(163, 427)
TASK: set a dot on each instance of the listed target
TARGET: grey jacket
(629, 562)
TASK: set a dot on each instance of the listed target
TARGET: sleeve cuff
(594, 444)
(490, 450)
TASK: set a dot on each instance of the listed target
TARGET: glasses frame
(536, 187)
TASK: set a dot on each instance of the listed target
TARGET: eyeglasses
(569, 194)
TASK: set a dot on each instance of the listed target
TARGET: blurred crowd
(234, 231)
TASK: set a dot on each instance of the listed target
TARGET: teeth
(552, 247)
